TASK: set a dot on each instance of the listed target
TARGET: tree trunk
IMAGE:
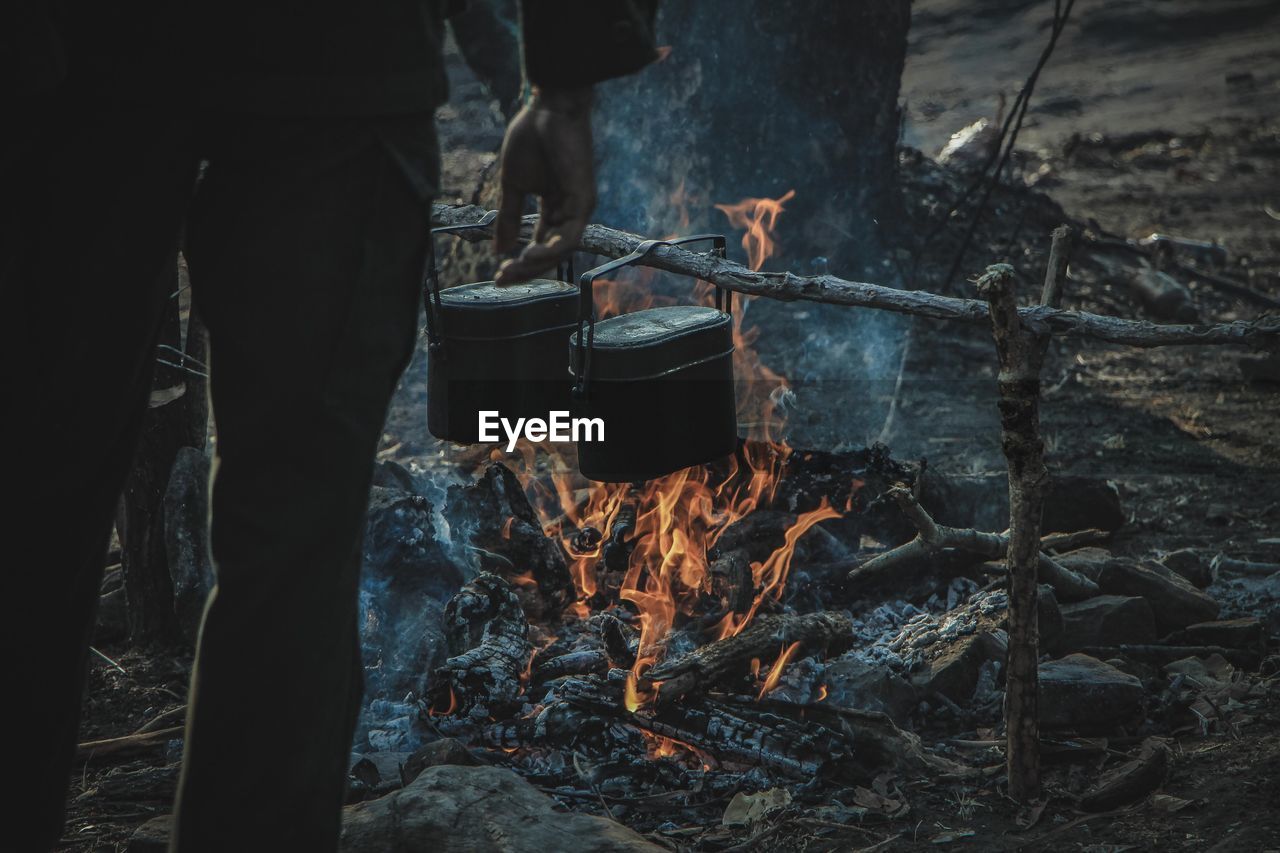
(773, 97)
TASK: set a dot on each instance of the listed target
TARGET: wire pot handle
(431, 277)
(587, 306)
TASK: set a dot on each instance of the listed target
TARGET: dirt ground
(1153, 115)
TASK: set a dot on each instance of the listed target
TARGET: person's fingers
(506, 228)
(543, 256)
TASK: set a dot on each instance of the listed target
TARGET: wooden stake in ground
(1021, 354)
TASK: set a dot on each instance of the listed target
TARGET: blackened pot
(660, 381)
(497, 349)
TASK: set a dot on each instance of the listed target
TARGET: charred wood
(621, 642)
(934, 538)
(700, 669)
(488, 639)
(494, 518)
(732, 581)
(572, 663)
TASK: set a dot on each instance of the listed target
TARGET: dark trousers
(305, 240)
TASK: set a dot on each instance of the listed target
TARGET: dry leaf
(746, 809)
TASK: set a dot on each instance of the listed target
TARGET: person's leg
(306, 247)
(92, 205)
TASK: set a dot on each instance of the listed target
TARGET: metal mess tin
(496, 349)
(661, 380)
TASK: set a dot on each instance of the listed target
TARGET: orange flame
(759, 216)
(759, 385)
(775, 671)
(453, 706)
(631, 694)
(679, 517)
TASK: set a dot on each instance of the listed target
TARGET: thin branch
(1039, 319)
(933, 538)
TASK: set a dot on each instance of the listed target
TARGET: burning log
(1039, 319)
(615, 556)
(789, 746)
(488, 639)
(572, 663)
(732, 581)
(494, 518)
(796, 740)
(571, 725)
(934, 537)
(707, 665)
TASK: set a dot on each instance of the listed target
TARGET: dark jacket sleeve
(570, 43)
(32, 55)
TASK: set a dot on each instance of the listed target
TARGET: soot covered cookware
(661, 380)
(498, 349)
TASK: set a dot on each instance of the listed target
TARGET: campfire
(669, 633)
(782, 623)
(663, 638)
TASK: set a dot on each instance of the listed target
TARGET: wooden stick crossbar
(1263, 333)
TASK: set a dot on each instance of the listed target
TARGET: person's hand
(547, 152)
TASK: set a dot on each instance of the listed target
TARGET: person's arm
(568, 47)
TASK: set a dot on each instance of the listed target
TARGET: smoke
(413, 565)
(739, 108)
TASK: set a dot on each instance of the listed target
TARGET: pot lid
(484, 311)
(656, 341)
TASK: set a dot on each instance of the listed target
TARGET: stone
(1107, 620)
(1083, 694)
(381, 766)
(1130, 781)
(451, 809)
(443, 751)
(152, 836)
(1049, 618)
(1190, 564)
(1174, 602)
(864, 686)
(1244, 633)
(1085, 561)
